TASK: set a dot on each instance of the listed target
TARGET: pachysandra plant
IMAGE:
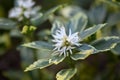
(67, 43)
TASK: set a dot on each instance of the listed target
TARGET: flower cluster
(65, 43)
(23, 9)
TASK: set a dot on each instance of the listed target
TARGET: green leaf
(84, 47)
(106, 43)
(15, 33)
(113, 19)
(78, 22)
(43, 53)
(39, 45)
(56, 25)
(97, 14)
(88, 32)
(112, 2)
(56, 59)
(7, 24)
(82, 54)
(66, 74)
(26, 55)
(116, 49)
(41, 18)
(40, 64)
(70, 10)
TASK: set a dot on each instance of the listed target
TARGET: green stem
(70, 62)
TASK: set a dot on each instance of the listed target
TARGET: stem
(70, 62)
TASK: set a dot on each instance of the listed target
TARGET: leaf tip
(26, 70)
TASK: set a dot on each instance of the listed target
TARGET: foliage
(91, 27)
(81, 52)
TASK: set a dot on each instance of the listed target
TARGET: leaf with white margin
(43, 17)
(66, 74)
(116, 49)
(78, 22)
(39, 45)
(55, 59)
(84, 47)
(40, 64)
(97, 14)
(105, 43)
(7, 24)
(112, 2)
(82, 54)
(56, 25)
(88, 32)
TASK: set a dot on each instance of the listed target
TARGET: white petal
(61, 37)
(25, 3)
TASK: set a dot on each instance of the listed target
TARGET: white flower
(65, 43)
(25, 3)
(23, 10)
(16, 13)
(31, 12)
